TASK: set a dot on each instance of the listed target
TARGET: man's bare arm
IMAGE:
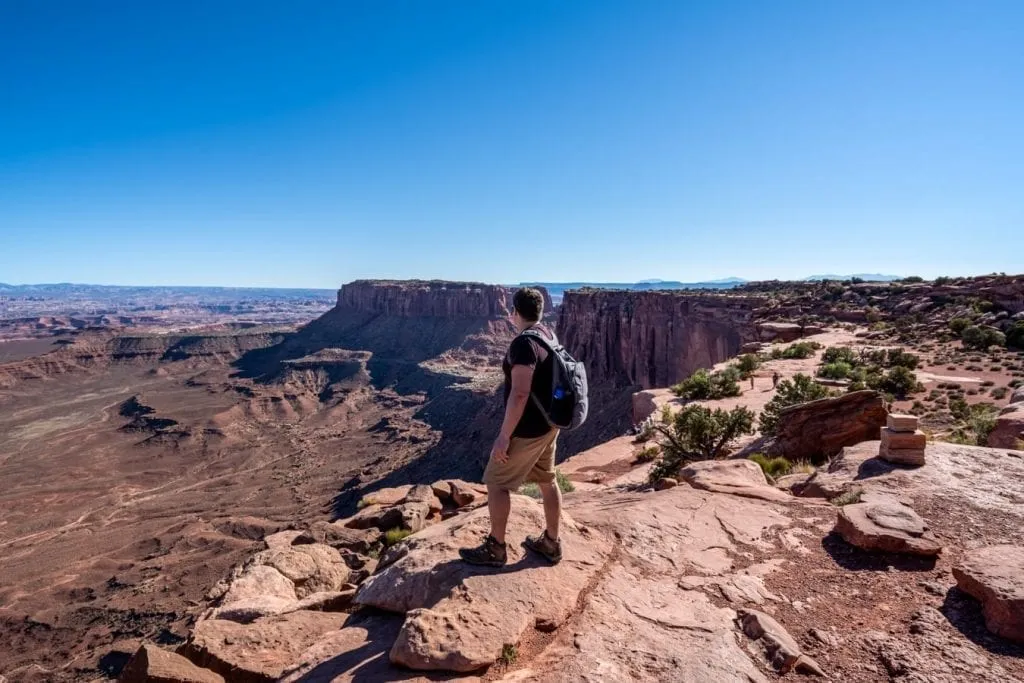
(522, 380)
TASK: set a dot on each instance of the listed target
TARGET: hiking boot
(490, 553)
(547, 547)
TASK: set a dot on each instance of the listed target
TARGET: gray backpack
(567, 406)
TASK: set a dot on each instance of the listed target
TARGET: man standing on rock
(525, 448)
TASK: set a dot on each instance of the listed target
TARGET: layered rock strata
(653, 339)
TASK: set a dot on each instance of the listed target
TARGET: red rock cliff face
(415, 298)
(418, 298)
(653, 339)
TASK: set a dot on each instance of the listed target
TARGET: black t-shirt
(527, 351)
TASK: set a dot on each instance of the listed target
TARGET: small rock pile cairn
(902, 442)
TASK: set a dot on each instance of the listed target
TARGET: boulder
(780, 648)
(422, 493)
(312, 568)
(458, 616)
(442, 490)
(644, 405)
(339, 536)
(150, 664)
(779, 332)
(820, 429)
(414, 515)
(375, 517)
(260, 581)
(281, 539)
(261, 651)
(386, 497)
(665, 483)
(465, 494)
(1017, 396)
(886, 525)
(1009, 429)
(739, 477)
(995, 576)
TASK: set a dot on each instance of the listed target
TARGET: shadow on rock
(113, 662)
(964, 613)
(369, 661)
(854, 559)
(875, 467)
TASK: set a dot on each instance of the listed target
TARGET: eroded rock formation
(653, 339)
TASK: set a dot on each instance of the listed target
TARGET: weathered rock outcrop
(433, 298)
(886, 525)
(995, 576)
(1009, 429)
(820, 429)
(150, 664)
(653, 339)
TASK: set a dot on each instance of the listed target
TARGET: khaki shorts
(528, 460)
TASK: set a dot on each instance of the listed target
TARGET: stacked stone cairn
(902, 442)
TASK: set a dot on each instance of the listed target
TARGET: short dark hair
(529, 303)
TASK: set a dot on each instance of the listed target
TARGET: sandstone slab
(995, 576)
(780, 648)
(386, 497)
(375, 517)
(901, 423)
(893, 439)
(311, 568)
(465, 494)
(820, 429)
(259, 652)
(338, 536)
(1009, 429)
(902, 456)
(459, 617)
(737, 477)
(886, 526)
(150, 664)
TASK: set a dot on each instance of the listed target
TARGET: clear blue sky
(310, 143)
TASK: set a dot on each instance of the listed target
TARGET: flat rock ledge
(738, 477)
(151, 664)
(458, 617)
(886, 525)
(995, 576)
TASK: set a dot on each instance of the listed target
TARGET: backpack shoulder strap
(550, 344)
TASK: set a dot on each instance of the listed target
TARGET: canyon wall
(433, 298)
(653, 339)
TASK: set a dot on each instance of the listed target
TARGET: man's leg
(499, 504)
(552, 496)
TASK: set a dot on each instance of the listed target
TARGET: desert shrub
(1015, 335)
(790, 392)
(533, 491)
(509, 654)
(958, 325)
(900, 358)
(839, 354)
(975, 337)
(704, 385)
(942, 280)
(982, 420)
(912, 279)
(772, 467)
(803, 467)
(648, 454)
(999, 393)
(849, 498)
(899, 382)
(959, 409)
(747, 363)
(988, 383)
(837, 370)
(699, 433)
(393, 536)
(804, 349)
